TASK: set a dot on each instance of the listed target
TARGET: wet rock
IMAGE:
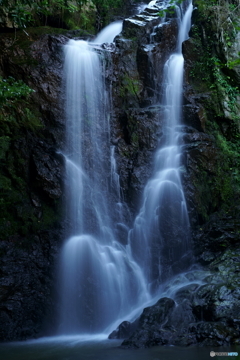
(142, 24)
(26, 283)
(136, 78)
(150, 330)
(194, 116)
(31, 231)
(214, 333)
(48, 171)
(217, 235)
(124, 330)
(201, 314)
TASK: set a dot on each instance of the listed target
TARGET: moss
(219, 188)
(130, 86)
(23, 39)
(20, 127)
(36, 32)
(4, 146)
(231, 166)
(18, 216)
(135, 139)
(210, 74)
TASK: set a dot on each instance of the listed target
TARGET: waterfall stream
(160, 236)
(108, 34)
(103, 280)
(100, 282)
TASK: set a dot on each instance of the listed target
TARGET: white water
(104, 280)
(159, 239)
(108, 34)
(141, 8)
(100, 282)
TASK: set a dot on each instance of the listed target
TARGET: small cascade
(140, 8)
(100, 281)
(160, 237)
(108, 34)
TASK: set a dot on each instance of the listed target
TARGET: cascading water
(100, 282)
(104, 279)
(141, 7)
(160, 237)
(108, 34)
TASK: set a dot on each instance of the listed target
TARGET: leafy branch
(12, 90)
(23, 13)
(171, 8)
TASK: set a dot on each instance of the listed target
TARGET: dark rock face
(47, 170)
(150, 329)
(26, 284)
(207, 315)
(31, 228)
(124, 330)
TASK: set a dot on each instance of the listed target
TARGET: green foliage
(223, 84)
(15, 109)
(106, 9)
(12, 90)
(213, 74)
(231, 151)
(20, 15)
(233, 63)
(17, 120)
(25, 13)
(171, 8)
(212, 38)
(107, 4)
(200, 3)
(223, 18)
(5, 184)
(225, 15)
(4, 146)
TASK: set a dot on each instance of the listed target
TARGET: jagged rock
(137, 75)
(124, 330)
(48, 171)
(207, 315)
(150, 327)
(217, 235)
(26, 284)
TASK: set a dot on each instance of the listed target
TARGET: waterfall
(108, 34)
(103, 278)
(100, 282)
(160, 237)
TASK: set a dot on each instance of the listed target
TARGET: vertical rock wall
(31, 183)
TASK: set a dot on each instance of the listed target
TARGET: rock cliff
(32, 174)
(32, 170)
